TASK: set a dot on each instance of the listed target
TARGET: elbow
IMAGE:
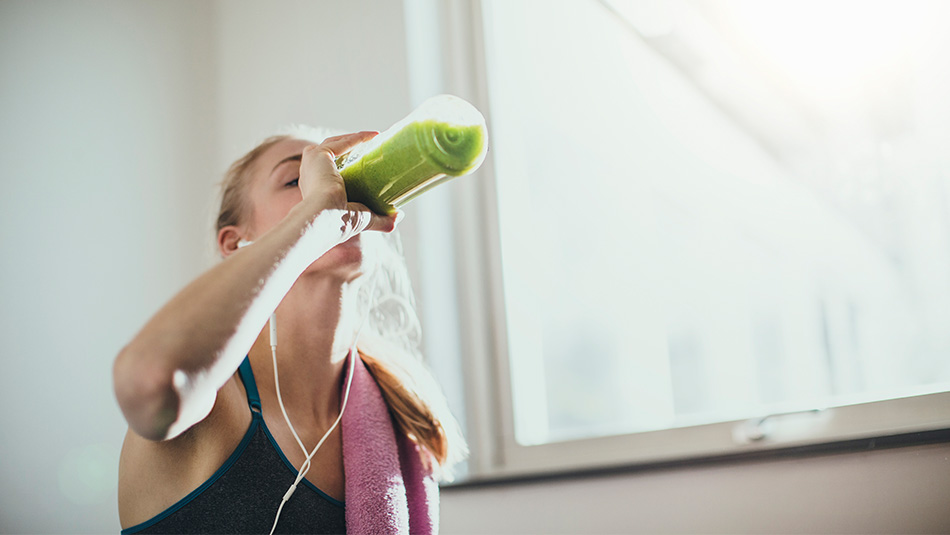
(146, 395)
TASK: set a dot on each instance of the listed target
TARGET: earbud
(244, 243)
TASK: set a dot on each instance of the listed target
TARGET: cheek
(268, 214)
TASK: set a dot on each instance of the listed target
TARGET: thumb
(360, 218)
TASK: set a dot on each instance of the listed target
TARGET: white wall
(117, 119)
(105, 133)
(904, 490)
(338, 64)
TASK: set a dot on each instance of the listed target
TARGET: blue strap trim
(254, 400)
(255, 422)
(247, 377)
(294, 471)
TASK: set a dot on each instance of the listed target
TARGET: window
(721, 226)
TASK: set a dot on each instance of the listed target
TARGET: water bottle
(443, 138)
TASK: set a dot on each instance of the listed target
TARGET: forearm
(167, 377)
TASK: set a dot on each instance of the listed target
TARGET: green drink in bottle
(443, 138)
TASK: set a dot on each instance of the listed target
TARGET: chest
(326, 466)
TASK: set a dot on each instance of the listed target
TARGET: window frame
(484, 352)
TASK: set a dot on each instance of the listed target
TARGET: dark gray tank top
(243, 495)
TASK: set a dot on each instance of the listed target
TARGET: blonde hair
(389, 342)
(234, 203)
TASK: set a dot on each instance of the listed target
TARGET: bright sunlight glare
(830, 45)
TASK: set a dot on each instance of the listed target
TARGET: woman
(217, 415)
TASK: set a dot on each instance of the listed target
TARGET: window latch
(765, 427)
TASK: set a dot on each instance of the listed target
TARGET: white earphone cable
(280, 401)
(353, 355)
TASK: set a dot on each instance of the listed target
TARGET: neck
(316, 327)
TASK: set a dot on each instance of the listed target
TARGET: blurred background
(695, 215)
(119, 119)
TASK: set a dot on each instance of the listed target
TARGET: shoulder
(153, 475)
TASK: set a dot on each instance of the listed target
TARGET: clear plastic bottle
(443, 138)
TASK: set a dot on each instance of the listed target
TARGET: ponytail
(389, 346)
(418, 409)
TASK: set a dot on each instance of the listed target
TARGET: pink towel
(388, 490)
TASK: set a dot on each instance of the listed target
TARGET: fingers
(336, 146)
(362, 218)
(318, 169)
(340, 145)
(319, 176)
(370, 133)
(382, 223)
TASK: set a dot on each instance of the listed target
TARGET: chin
(346, 259)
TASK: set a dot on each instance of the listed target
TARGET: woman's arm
(167, 377)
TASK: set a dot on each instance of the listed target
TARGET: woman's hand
(167, 378)
(320, 182)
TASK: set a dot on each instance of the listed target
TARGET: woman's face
(272, 192)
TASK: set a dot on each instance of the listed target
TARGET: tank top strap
(247, 377)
